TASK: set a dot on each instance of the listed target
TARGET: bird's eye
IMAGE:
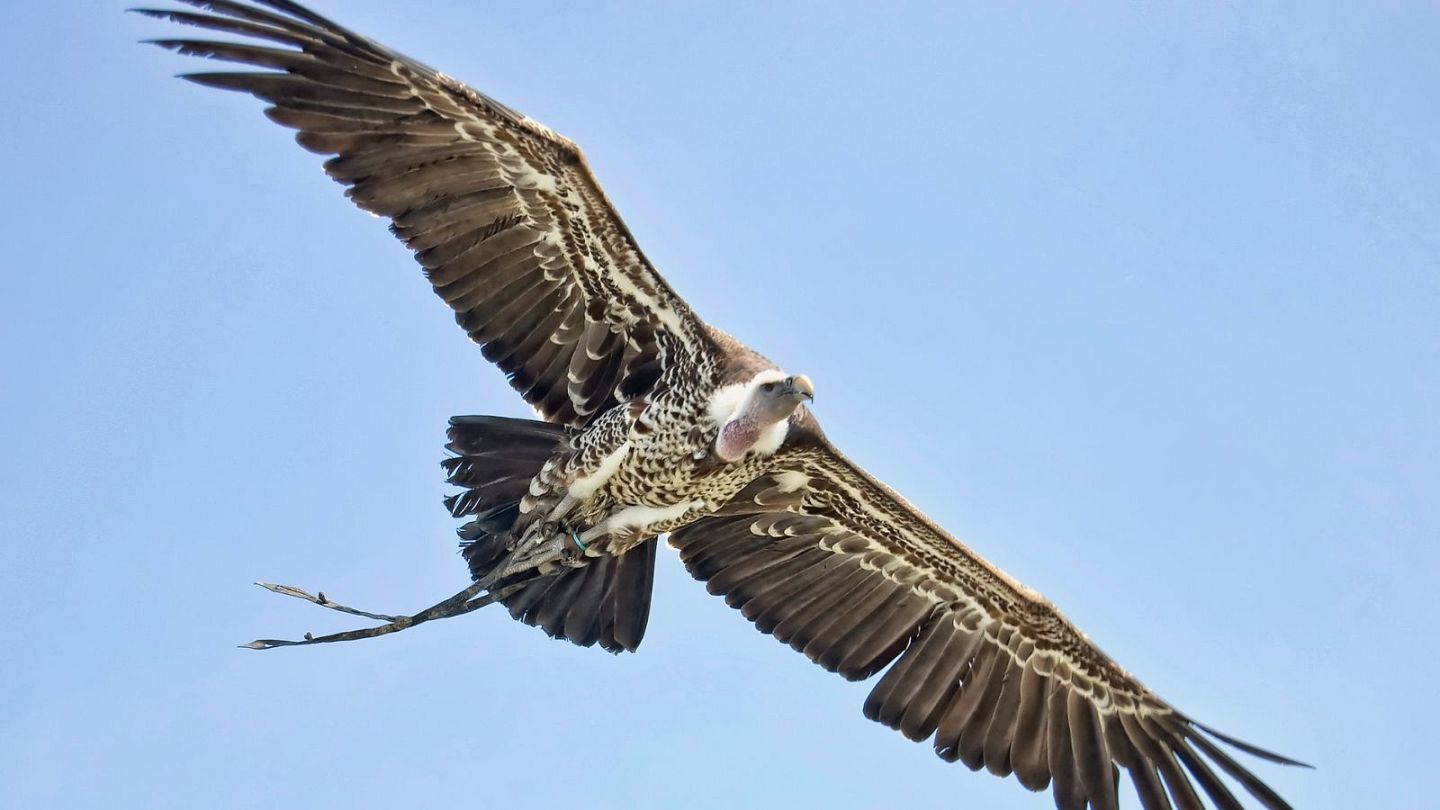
(768, 387)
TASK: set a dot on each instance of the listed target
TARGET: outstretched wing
(504, 215)
(838, 566)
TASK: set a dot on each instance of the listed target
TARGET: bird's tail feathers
(605, 601)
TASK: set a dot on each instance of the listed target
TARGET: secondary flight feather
(657, 424)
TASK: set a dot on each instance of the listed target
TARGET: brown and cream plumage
(655, 423)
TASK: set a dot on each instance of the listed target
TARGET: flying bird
(654, 423)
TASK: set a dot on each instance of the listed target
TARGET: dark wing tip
(221, 80)
(1253, 750)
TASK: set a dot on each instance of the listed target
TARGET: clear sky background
(1143, 304)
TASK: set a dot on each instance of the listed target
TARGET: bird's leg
(552, 540)
(562, 508)
(590, 535)
(540, 553)
(576, 545)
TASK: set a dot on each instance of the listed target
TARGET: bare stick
(320, 600)
(534, 560)
(457, 605)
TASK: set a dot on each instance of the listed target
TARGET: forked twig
(457, 605)
(526, 563)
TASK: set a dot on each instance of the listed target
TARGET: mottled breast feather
(505, 216)
(834, 563)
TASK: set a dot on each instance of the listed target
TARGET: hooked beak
(800, 387)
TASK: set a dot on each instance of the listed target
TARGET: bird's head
(773, 400)
(760, 418)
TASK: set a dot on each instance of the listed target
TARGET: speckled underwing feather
(821, 555)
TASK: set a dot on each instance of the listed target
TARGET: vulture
(653, 423)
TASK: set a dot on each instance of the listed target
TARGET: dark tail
(605, 601)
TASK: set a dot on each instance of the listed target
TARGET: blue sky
(1142, 303)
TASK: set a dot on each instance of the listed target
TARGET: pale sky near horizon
(1141, 303)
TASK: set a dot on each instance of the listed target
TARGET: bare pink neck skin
(737, 437)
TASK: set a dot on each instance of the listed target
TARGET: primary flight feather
(656, 423)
